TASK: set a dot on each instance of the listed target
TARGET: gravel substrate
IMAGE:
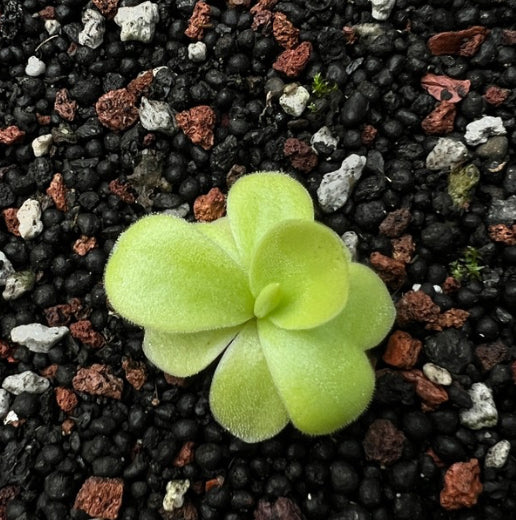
(397, 115)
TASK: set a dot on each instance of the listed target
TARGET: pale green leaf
(243, 398)
(259, 201)
(166, 275)
(309, 262)
(369, 312)
(324, 380)
(184, 355)
(220, 232)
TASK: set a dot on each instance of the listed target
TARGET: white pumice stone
(37, 337)
(137, 23)
(437, 374)
(294, 99)
(29, 217)
(6, 268)
(335, 187)
(174, 494)
(92, 34)
(382, 9)
(197, 52)
(11, 417)
(479, 131)
(324, 141)
(157, 116)
(4, 402)
(483, 413)
(25, 382)
(350, 239)
(35, 67)
(52, 27)
(41, 145)
(497, 455)
(17, 284)
(446, 154)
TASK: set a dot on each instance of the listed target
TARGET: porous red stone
(122, 190)
(284, 31)
(432, 395)
(302, 156)
(403, 248)
(57, 191)
(383, 442)
(7, 493)
(64, 105)
(503, 233)
(210, 207)
(108, 8)
(11, 135)
(83, 331)
(139, 86)
(11, 220)
(198, 123)
(60, 315)
(98, 380)
(66, 399)
(100, 497)
(450, 285)
(235, 172)
(463, 43)
(402, 350)
(441, 120)
(135, 373)
(444, 88)
(43, 120)
(450, 318)
(48, 12)
(368, 134)
(199, 21)
(496, 95)
(395, 223)
(282, 509)
(185, 455)
(508, 37)
(391, 271)
(292, 61)
(116, 109)
(462, 485)
(84, 244)
(416, 306)
(491, 354)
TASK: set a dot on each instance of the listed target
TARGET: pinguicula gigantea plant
(270, 289)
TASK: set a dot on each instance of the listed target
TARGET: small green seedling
(468, 267)
(322, 87)
(270, 289)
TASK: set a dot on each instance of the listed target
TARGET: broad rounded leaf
(242, 397)
(309, 262)
(258, 202)
(166, 275)
(369, 312)
(220, 232)
(184, 355)
(324, 380)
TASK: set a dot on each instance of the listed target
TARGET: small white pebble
(294, 99)
(175, 492)
(35, 67)
(480, 130)
(41, 145)
(416, 286)
(25, 382)
(4, 402)
(29, 217)
(437, 374)
(323, 140)
(497, 455)
(446, 154)
(382, 9)
(52, 27)
(92, 35)
(483, 413)
(6, 268)
(157, 116)
(11, 418)
(350, 239)
(197, 52)
(36, 337)
(17, 284)
(437, 288)
(137, 23)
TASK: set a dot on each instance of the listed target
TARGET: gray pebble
(497, 455)
(29, 217)
(483, 413)
(17, 284)
(6, 268)
(446, 154)
(157, 116)
(92, 35)
(294, 99)
(480, 130)
(4, 402)
(382, 9)
(25, 382)
(137, 23)
(36, 337)
(502, 211)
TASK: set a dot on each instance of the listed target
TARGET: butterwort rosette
(268, 289)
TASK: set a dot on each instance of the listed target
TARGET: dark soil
(105, 431)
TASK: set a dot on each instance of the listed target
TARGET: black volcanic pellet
(26, 405)
(343, 476)
(78, 283)
(448, 448)
(407, 506)
(239, 476)
(107, 466)
(44, 295)
(241, 500)
(218, 497)
(277, 485)
(208, 456)
(445, 421)
(403, 475)
(59, 485)
(185, 429)
(41, 256)
(370, 492)
(450, 349)
(508, 425)
(316, 473)
(417, 425)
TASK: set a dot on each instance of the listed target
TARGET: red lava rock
(282, 509)
(83, 331)
(239, 3)
(450, 318)
(350, 34)
(135, 373)
(395, 223)
(432, 395)
(440, 120)
(284, 31)
(48, 13)
(368, 134)
(301, 155)
(383, 442)
(6, 352)
(122, 191)
(213, 483)
(67, 426)
(235, 172)
(186, 512)
(7, 493)
(66, 399)
(57, 191)
(263, 4)
(416, 306)
(210, 207)
(11, 135)
(185, 455)
(391, 271)
(140, 85)
(450, 285)
(11, 220)
(508, 37)
(174, 380)
(50, 371)
(437, 461)
(504, 234)
(100, 497)
(62, 314)
(199, 21)
(496, 95)
(42, 119)
(65, 106)
(403, 248)
(116, 109)
(491, 354)
(463, 43)
(402, 350)
(198, 123)
(262, 19)
(98, 380)
(149, 139)
(462, 485)
(108, 8)
(292, 61)
(84, 244)
(444, 88)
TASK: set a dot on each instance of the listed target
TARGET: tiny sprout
(270, 289)
(468, 266)
(322, 87)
